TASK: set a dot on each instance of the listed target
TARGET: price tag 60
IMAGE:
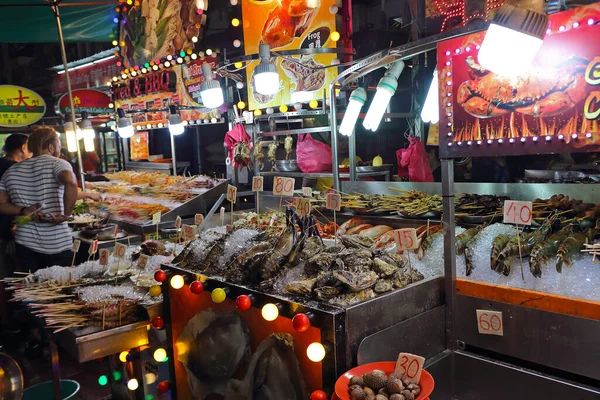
(104, 254)
(283, 186)
(410, 366)
(76, 244)
(490, 322)
(120, 250)
(406, 239)
(303, 206)
(231, 193)
(198, 219)
(93, 247)
(142, 261)
(307, 191)
(178, 222)
(156, 218)
(189, 232)
(257, 184)
(333, 201)
(517, 212)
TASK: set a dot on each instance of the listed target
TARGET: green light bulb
(102, 380)
(117, 375)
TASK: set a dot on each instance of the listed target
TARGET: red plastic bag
(238, 145)
(312, 155)
(414, 162)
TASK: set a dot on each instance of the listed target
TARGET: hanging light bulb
(513, 40)
(71, 137)
(431, 109)
(124, 125)
(88, 132)
(357, 100)
(132, 384)
(266, 77)
(210, 89)
(386, 88)
(176, 126)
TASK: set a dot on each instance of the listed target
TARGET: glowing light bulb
(238, 65)
(177, 282)
(357, 100)
(257, 113)
(283, 108)
(123, 356)
(133, 384)
(209, 52)
(334, 36)
(237, 43)
(315, 352)
(241, 105)
(235, 22)
(160, 354)
(115, 42)
(103, 380)
(150, 378)
(313, 104)
(431, 109)
(270, 312)
(218, 295)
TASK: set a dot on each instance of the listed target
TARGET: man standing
(45, 188)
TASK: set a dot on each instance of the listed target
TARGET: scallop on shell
(375, 379)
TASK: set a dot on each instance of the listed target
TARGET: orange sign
(138, 145)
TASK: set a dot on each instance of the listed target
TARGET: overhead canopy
(32, 21)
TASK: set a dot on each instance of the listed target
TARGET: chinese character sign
(20, 106)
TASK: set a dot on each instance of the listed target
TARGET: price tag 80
(231, 193)
(303, 206)
(406, 239)
(517, 212)
(120, 250)
(104, 254)
(490, 322)
(410, 366)
(283, 186)
(333, 201)
(257, 184)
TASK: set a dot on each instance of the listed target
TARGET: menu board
(138, 145)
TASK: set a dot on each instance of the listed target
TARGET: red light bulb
(301, 322)
(158, 322)
(160, 276)
(196, 287)
(163, 387)
(318, 395)
(243, 302)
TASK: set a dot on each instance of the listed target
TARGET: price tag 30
(333, 201)
(410, 366)
(178, 222)
(143, 261)
(198, 219)
(258, 183)
(231, 193)
(406, 239)
(283, 186)
(307, 191)
(517, 212)
(93, 247)
(189, 232)
(76, 245)
(490, 322)
(120, 250)
(104, 254)
(156, 218)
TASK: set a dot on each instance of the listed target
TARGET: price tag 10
(189, 232)
(406, 239)
(303, 206)
(198, 219)
(76, 245)
(307, 191)
(257, 184)
(178, 222)
(120, 250)
(104, 254)
(410, 366)
(142, 261)
(490, 322)
(333, 201)
(93, 247)
(517, 212)
(231, 193)
(156, 218)
(283, 186)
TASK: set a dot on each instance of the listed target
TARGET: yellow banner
(20, 106)
(290, 25)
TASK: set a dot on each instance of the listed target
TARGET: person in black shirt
(15, 150)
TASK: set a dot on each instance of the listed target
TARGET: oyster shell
(383, 268)
(395, 259)
(348, 299)
(327, 292)
(383, 285)
(326, 279)
(319, 262)
(357, 241)
(271, 263)
(303, 287)
(312, 246)
(356, 281)
(401, 278)
(356, 260)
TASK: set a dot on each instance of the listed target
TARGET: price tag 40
(189, 232)
(104, 254)
(283, 186)
(198, 219)
(231, 193)
(257, 184)
(143, 261)
(517, 212)
(410, 366)
(333, 201)
(120, 250)
(406, 239)
(303, 206)
(490, 322)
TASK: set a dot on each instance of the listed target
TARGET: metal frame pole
(173, 159)
(55, 6)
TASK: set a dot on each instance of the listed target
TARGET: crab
(542, 92)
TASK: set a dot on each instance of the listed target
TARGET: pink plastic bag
(414, 162)
(312, 155)
(238, 145)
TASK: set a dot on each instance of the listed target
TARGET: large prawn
(466, 237)
(498, 244)
(544, 251)
(572, 245)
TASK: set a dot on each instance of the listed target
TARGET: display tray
(372, 168)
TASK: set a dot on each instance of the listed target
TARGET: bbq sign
(20, 106)
(144, 85)
(553, 107)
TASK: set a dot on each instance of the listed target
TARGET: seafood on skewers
(498, 244)
(259, 157)
(272, 153)
(572, 245)
(544, 251)
(288, 145)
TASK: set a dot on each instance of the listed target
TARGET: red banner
(94, 102)
(553, 108)
(93, 75)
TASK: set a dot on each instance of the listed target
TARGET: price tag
(248, 117)
(490, 322)
(283, 186)
(257, 183)
(231, 193)
(178, 222)
(410, 366)
(517, 212)
(198, 219)
(189, 232)
(333, 201)
(142, 261)
(156, 218)
(307, 191)
(406, 239)
(303, 206)
(120, 250)
(93, 247)
(76, 245)
(104, 254)
(116, 231)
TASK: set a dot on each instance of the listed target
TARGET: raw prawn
(544, 251)
(498, 244)
(464, 238)
(375, 231)
(573, 245)
(427, 242)
(385, 240)
(357, 229)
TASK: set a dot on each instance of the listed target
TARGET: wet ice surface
(109, 293)
(432, 263)
(236, 243)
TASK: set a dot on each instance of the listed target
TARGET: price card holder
(76, 245)
(178, 222)
(303, 206)
(283, 186)
(120, 250)
(156, 218)
(231, 193)
(333, 201)
(104, 254)
(517, 212)
(307, 191)
(198, 219)
(189, 232)
(143, 261)
(410, 366)
(490, 322)
(258, 184)
(406, 239)
(93, 247)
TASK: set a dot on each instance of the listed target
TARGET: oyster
(356, 281)
(357, 241)
(401, 278)
(415, 276)
(312, 246)
(356, 260)
(383, 285)
(383, 268)
(391, 258)
(319, 262)
(303, 287)
(270, 264)
(325, 279)
(325, 293)
(353, 298)
(239, 269)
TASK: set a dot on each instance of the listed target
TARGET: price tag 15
(178, 222)
(198, 219)
(303, 206)
(76, 245)
(490, 322)
(104, 254)
(231, 193)
(283, 186)
(410, 366)
(189, 232)
(406, 239)
(258, 183)
(333, 201)
(142, 261)
(517, 212)
(156, 218)
(307, 191)
(120, 250)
